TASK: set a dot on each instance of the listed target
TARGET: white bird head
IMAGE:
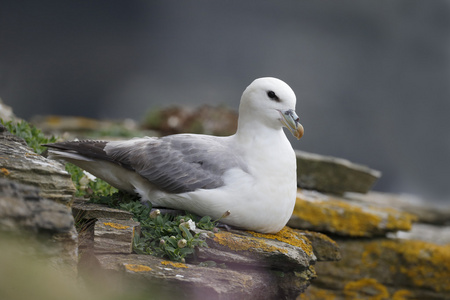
(271, 102)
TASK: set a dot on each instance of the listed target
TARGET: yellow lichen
(366, 288)
(242, 244)
(341, 216)
(116, 226)
(402, 295)
(317, 294)
(288, 236)
(426, 265)
(5, 171)
(371, 256)
(349, 219)
(137, 268)
(173, 264)
(401, 221)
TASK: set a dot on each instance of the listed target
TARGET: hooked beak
(292, 122)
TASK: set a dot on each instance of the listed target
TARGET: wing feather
(175, 164)
(178, 163)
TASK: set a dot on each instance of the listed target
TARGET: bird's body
(252, 173)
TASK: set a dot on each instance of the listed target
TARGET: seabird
(251, 174)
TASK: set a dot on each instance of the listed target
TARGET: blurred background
(372, 78)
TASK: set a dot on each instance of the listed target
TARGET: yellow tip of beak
(298, 133)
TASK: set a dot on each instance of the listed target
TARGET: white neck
(260, 135)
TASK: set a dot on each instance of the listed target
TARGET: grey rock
(333, 175)
(21, 207)
(325, 249)
(257, 266)
(6, 112)
(345, 217)
(115, 236)
(385, 269)
(195, 282)
(19, 163)
(425, 211)
(82, 209)
(435, 234)
(242, 248)
(46, 225)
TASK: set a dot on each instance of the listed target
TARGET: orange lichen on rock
(402, 295)
(401, 221)
(237, 243)
(428, 265)
(317, 294)
(116, 226)
(344, 218)
(174, 264)
(425, 265)
(5, 171)
(289, 236)
(137, 268)
(366, 288)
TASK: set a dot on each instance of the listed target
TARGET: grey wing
(179, 163)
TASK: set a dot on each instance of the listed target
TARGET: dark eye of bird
(273, 96)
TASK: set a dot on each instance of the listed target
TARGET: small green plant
(32, 136)
(87, 187)
(161, 235)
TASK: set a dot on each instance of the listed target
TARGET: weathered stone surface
(287, 249)
(258, 266)
(195, 282)
(385, 269)
(439, 235)
(319, 212)
(325, 249)
(45, 224)
(82, 209)
(115, 236)
(21, 207)
(19, 163)
(425, 211)
(333, 175)
(6, 112)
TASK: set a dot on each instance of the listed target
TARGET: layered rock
(45, 224)
(341, 216)
(35, 198)
(385, 269)
(333, 175)
(20, 163)
(236, 264)
(375, 262)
